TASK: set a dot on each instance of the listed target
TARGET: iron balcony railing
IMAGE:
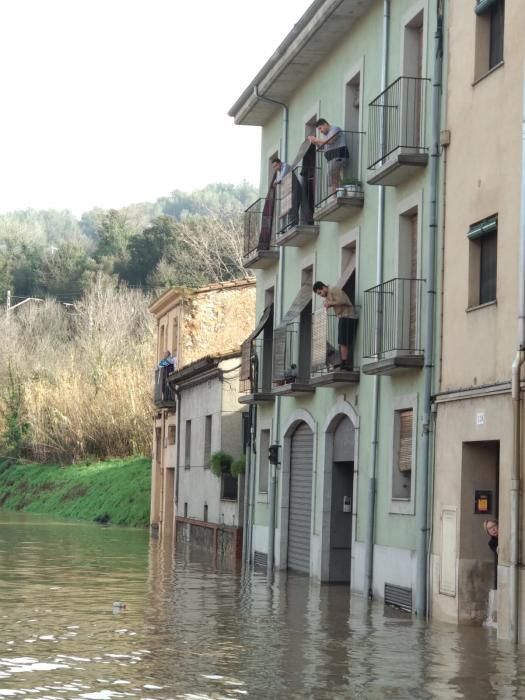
(286, 355)
(251, 378)
(392, 319)
(325, 342)
(260, 225)
(296, 199)
(162, 392)
(339, 170)
(396, 121)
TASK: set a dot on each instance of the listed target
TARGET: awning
(347, 271)
(483, 228)
(485, 6)
(303, 150)
(246, 347)
(300, 302)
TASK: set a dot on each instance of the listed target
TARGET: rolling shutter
(299, 525)
(404, 458)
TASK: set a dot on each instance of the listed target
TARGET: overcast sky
(109, 102)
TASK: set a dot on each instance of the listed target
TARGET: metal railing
(296, 199)
(260, 225)
(396, 120)
(339, 173)
(392, 318)
(162, 391)
(286, 354)
(325, 342)
(251, 379)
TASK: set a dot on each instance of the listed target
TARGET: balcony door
(413, 86)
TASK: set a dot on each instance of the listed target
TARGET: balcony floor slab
(397, 169)
(294, 388)
(339, 206)
(298, 236)
(391, 365)
(261, 259)
(336, 378)
(257, 397)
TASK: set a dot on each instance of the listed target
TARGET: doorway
(479, 502)
(299, 524)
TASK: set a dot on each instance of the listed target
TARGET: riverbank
(116, 491)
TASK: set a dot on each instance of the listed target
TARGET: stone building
(211, 321)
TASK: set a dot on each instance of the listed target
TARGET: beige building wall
(474, 413)
(192, 324)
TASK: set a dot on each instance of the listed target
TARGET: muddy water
(192, 631)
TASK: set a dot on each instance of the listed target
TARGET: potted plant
(352, 185)
(238, 466)
(220, 463)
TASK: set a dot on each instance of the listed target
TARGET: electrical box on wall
(483, 502)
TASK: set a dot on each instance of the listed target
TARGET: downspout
(368, 588)
(515, 482)
(272, 490)
(422, 481)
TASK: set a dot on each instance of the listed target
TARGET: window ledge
(481, 306)
(489, 72)
(229, 500)
(187, 468)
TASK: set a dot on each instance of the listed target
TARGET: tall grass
(75, 382)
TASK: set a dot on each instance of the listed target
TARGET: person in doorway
(169, 361)
(280, 169)
(336, 299)
(332, 143)
(491, 528)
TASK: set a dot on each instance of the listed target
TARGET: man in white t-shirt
(333, 144)
(336, 299)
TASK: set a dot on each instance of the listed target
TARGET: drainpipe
(368, 588)
(272, 486)
(515, 482)
(422, 481)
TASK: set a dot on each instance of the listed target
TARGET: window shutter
(404, 457)
(483, 228)
(483, 7)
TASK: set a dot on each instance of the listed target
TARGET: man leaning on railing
(333, 145)
(336, 299)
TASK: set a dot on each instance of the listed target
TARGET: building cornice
(312, 38)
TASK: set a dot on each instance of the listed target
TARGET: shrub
(220, 463)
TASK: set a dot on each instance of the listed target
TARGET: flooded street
(192, 631)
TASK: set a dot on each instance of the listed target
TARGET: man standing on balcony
(280, 169)
(333, 144)
(336, 299)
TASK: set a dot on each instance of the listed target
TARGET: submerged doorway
(479, 502)
(300, 514)
(339, 482)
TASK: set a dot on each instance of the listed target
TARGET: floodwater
(191, 630)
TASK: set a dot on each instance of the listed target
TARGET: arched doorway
(300, 503)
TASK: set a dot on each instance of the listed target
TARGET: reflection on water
(192, 631)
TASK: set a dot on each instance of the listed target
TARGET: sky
(111, 102)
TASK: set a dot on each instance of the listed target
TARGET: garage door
(299, 525)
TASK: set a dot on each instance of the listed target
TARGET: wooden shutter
(404, 456)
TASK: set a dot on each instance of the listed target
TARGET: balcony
(255, 377)
(291, 365)
(260, 224)
(396, 135)
(163, 394)
(326, 359)
(296, 225)
(392, 327)
(339, 189)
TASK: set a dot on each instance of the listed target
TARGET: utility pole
(8, 302)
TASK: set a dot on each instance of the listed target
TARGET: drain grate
(398, 596)
(260, 560)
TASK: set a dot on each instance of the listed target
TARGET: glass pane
(487, 269)
(497, 16)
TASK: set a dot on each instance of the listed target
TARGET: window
(207, 441)
(205, 514)
(158, 445)
(483, 259)
(403, 454)
(264, 445)
(490, 28)
(497, 20)
(187, 446)
(185, 510)
(172, 431)
(162, 349)
(175, 337)
(229, 487)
